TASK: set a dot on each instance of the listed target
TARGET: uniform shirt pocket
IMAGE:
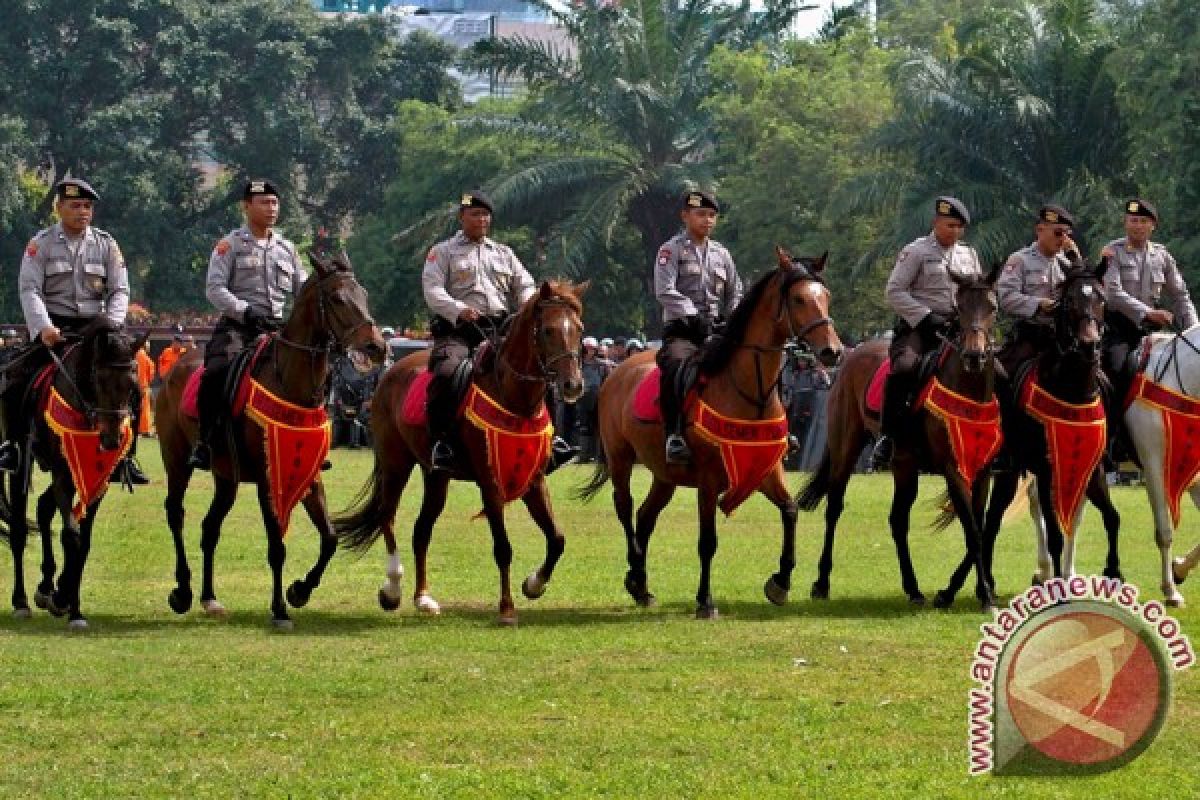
(95, 279)
(1158, 276)
(462, 274)
(284, 274)
(58, 277)
(932, 275)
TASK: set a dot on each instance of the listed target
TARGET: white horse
(1174, 363)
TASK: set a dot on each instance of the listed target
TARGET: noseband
(333, 341)
(1068, 329)
(546, 367)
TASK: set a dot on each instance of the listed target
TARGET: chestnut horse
(541, 345)
(329, 315)
(967, 367)
(97, 377)
(741, 371)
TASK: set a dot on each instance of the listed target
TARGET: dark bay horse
(541, 345)
(329, 315)
(97, 378)
(741, 371)
(967, 368)
(1070, 372)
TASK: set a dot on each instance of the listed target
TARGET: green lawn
(859, 696)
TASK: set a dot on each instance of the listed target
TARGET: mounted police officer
(71, 273)
(1141, 276)
(698, 286)
(924, 297)
(251, 273)
(1028, 286)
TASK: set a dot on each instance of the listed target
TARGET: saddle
(926, 368)
(415, 410)
(237, 387)
(646, 407)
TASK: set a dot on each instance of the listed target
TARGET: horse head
(333, 306)
(104, 375)
(977, 306)
(550, 325)
(1079, 317)
(804, 305)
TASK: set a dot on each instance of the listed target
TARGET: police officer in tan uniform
(1141, 277)
(471, 284)
(251, 274)
(697, 284)
(923, 295)
(1028, 286)
(70, 274)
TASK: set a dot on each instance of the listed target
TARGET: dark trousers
(452, 345)
(230, 337)
(908, 346)
(682, 341)
(21, 367)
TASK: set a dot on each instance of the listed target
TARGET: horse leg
(904, 475)
(1001, 498)
(637, 581)
(1041, 536)
(1097, 493)
(224, 495)
(178, 477)
(775, 490)
(620, 465)
(502, 552)
(967, 510)
(437, 485)
(1050, 534)
(706, 506)
(18, 534)
(1164, 528)
(63, 600)
(47, 507)
(299, 591)
(835, 502)
(392, 483)
(77, 620)
(276, 556)
(537, 500)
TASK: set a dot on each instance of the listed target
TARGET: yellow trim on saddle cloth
(749, 449)
(1181, 438)
(306, 433)
(963, 417)
(90, 467)
(511, 472)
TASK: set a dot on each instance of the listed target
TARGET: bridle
(89, 409)
(334, 343)
(546, 369)
(957, 342)
(1067, 328)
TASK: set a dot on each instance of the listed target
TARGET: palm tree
(625, 100)
(1027, 113)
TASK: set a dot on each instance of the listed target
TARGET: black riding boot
(891, 423)
(212, 385)
(677, 450)
(440, 409)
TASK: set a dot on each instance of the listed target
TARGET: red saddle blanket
(876, 386)
(412, 412)
(973, 427)
(1075, 438)
(1181, 436)
(191, 390)
(645, 398)
(750, 449)
(89, 464)
(517, 447)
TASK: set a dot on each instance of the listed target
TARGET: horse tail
(359, 526)
(599, 477)
(946, 513)
(818, 485)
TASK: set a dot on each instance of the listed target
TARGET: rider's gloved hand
(932, 322)
(254, 318)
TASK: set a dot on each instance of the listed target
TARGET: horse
(541, 345)
(739, 374)
(329, 315)
(89, 392)
(1070, 374)
(965, 366)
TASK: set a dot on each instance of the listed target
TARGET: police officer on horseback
(1142, 275)
(1029, 283)
(251, 273)
(71, 273)
(923, 295)
(698, 286)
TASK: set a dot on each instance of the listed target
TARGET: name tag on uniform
(462, 275)
(249, 262)
(94, 278)
(689, 266)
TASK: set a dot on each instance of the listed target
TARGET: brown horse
(741, 370)
(329, 314)
(97, 378)
(966, 368)
(542, 345)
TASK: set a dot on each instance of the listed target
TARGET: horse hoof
(508, 619)
(1173, 600)
(387, 602)
(1176, 565)
(213, 608)
(298, 594)
(282, 625)
(1114, 573)
(943, 599)
(22, 613)
(533, 587)
(917, 599)
(77, 625)
(180, 600)
(427, 605)
(42, 600)
(1036, 580)
(774, 592)
(642, 596)
(54, 608)
(707, 612)
(819, 592)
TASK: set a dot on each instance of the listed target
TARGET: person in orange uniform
(145, 374)
(176, 350)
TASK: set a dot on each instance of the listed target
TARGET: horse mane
(719, 350)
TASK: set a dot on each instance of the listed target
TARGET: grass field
(859, 696)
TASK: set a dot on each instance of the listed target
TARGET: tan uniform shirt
(920, 281)
(690, 280)
(485, 275)
(85, 278)
(1028, 278)
(243, 273)
(1137, 280)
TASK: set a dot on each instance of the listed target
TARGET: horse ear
(785, 258)
(993, 275)
(1101, 268)
(546, 291)
(140, 341)
(818, 265)
(319, 262)
(580, 289)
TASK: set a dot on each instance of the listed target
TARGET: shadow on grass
(102, 625)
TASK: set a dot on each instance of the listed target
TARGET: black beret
(75, 187)
(1140, 208)
(475, 198)
(700, 199)
(1056, 215)
(257, 187)
(952, 207)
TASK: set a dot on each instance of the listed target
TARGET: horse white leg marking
(427, 605)
(1146, 429)
(395, 574)
(1068, 558)
(1045, 569)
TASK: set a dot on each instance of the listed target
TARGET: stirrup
(442, 457)
(10, 456)
(561, 453)
(678, 451)
(881, 457)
